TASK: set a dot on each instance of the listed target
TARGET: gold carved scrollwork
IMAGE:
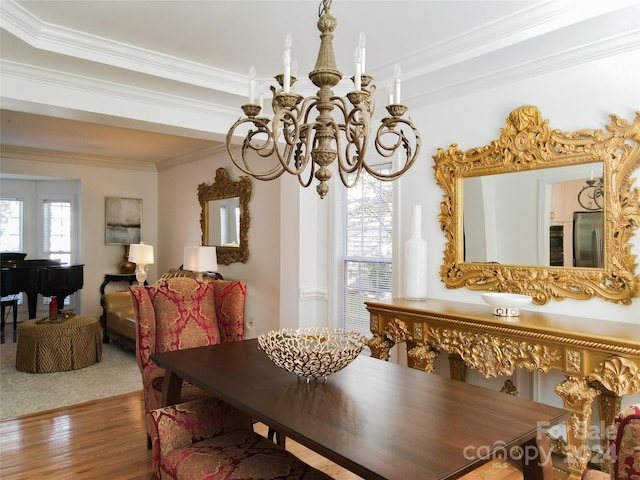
(618, 375)
(421, 357)
(493, 356)
(397, 331)
(528, 143)
(380, 346)
(573, 361)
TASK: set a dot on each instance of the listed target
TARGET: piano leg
(32, 303)
(60, 299)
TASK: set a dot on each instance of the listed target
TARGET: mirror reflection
(544, 217)
(224, 222)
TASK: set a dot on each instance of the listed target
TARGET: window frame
(340, 252)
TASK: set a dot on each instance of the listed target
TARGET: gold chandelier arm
(390, 127)
(259, 141)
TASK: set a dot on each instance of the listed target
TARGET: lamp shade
(200, 259)
(141, 253)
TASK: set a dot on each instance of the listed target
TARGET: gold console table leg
(457, 367)
(577, 396)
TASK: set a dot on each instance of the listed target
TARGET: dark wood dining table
(377, 419)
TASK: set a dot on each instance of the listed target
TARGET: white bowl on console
(506, 304)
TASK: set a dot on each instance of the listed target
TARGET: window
(57, 230)
(367, 248)
(11, 224)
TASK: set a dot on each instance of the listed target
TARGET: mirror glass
(534, 217)
(543, 212)
(224, 217)
(224, 222)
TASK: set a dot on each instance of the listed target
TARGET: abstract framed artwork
(123, 220)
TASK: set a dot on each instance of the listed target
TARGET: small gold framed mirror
(224, 217)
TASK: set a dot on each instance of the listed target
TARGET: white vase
(415, 260)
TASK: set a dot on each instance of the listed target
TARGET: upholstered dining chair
(624, 448)
(178, 313)
(209, 439)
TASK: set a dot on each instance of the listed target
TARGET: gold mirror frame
(223, 187)
(527, 143)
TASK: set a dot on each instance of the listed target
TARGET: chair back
(174, 314)
(625, 447)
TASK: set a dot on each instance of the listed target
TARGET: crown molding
(46, 36)
(191, 157)
(476, 80)
(532, 23)
(115, 91)
(51, 156)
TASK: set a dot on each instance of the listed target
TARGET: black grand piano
(39, 276)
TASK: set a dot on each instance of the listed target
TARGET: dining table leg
(536, 459)
(171, 389)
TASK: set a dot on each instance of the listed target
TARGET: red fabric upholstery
(624, 448)
(178, 313)
(209, 439)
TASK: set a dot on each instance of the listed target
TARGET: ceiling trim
(535, 22)
(82, 85)
(191, 157)
(46, 36)
(434, 92)
(52, 156)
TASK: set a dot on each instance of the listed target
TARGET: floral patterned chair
(178, 313)
(209, 439)
(624, 448)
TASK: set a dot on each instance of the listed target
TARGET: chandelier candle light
(200, 260)
(305, 137)
(141, 255)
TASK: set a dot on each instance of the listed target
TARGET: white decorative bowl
(506, 304)
(312, 352)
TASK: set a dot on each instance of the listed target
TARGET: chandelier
(308, 134)
(591, 195)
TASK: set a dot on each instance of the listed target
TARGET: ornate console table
(600, 359)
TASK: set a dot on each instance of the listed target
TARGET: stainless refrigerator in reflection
(588, 229)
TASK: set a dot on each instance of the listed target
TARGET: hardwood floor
(106, 439)
(101, 439)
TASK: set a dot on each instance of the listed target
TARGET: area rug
(23, 393)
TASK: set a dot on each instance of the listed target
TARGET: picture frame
(123, 220)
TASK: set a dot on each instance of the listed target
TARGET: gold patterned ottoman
(58, 346)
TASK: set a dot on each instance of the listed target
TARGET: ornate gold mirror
(518, 214)
(224, 217)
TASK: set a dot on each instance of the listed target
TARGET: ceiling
(198, 53)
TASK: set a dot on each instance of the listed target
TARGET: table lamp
(141, 255)
(200, 260)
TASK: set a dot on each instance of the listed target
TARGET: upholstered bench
(208, 438)
(59, 346)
